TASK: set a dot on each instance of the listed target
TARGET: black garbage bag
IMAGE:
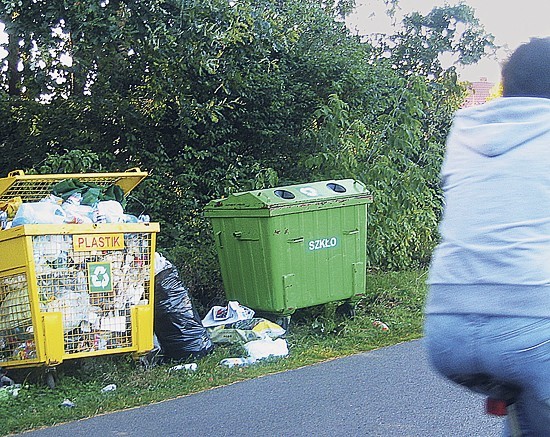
(177, 325)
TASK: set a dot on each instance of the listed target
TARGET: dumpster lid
(32, 188)
(315, 192)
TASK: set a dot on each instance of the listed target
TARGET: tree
(213, 96)
(416, 48)
(396, 147)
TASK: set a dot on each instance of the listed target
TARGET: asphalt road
(387, 392)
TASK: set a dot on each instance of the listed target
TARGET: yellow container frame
(32, 188)
(47, 272)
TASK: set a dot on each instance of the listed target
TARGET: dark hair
(527, 71)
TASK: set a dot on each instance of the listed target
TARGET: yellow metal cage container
(74, 290)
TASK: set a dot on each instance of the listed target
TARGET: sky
(512, 23)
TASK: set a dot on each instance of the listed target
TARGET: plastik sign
(322, 243)
(98, 242)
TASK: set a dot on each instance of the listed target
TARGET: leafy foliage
(212, 97)
(416, 48)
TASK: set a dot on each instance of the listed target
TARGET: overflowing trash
(70, 201)
(73, 291)
(236, 324)
(61, 270)
(94, 279)
(181, 334)
(92, 291)
(177, 325)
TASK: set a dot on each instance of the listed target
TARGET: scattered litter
(235, 362)
(108, 388)
(258, 350)
(381, 325)
(266, 348)
(245, 330)
(9, 391)
(67, 403)
(231, 313)
(5, 381)
(192, 367)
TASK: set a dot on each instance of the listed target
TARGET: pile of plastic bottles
(55, 210)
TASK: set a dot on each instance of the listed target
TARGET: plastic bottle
(74, 199)
(380, 325)
(235, 362)
(108, 388)
(3, 219)
(98, 217)
(67, 403)
(191, 367)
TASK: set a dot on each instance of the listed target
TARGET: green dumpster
(292, 247)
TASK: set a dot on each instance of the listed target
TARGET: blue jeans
(510, 349)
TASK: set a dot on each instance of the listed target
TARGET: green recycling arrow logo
(99, 277)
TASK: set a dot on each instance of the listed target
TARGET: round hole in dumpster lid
(336, 187)
(284, 194)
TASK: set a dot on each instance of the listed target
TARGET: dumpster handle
(296, 240)
(239, 236)
(352, 232)
(219, 235)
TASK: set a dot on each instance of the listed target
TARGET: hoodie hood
(503, 124)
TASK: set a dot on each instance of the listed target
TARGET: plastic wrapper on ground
(244, 331)
(266, 348)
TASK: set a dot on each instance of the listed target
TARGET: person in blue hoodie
(488, 306)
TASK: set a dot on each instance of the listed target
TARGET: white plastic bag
(39, 213)
(77, 213)
(161, 263)
(111, 210)
(258, 349)
(74, 307)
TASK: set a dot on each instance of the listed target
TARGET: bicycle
(501, 397)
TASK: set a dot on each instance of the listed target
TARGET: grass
(317, 334)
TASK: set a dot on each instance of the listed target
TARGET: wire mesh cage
(93, 289)
(17, 340)
(32, 188)
(74, 290)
